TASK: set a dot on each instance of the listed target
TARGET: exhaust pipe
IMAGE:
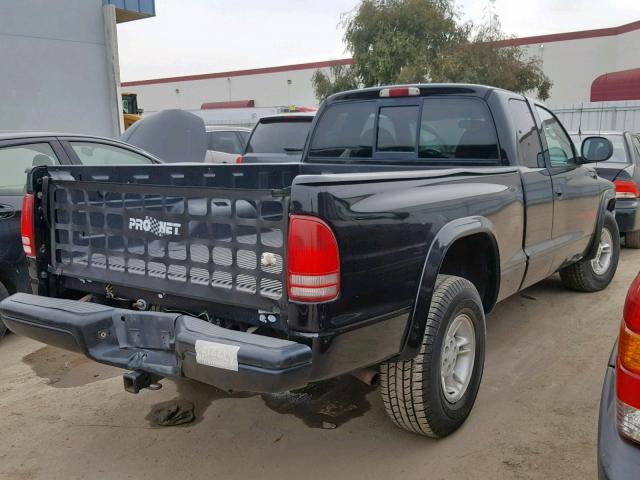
(368, 376)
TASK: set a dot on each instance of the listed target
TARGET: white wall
(55, 74)
(573, 65)
(267, 89)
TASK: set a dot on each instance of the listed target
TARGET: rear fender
(447, 236)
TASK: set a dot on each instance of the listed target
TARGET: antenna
(580, 121)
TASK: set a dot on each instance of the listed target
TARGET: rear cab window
(439, 130)
(281, 135)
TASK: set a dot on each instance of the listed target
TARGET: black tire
(4, 293)
(412, 390)
(582, 277)
(632, 239)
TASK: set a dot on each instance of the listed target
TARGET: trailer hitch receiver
(137, 380)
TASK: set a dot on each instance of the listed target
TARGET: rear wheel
(3, 294)
(434, 393)
(594, 274)
(632, 239)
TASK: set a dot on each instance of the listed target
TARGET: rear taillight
(399, 92)
(239, 159)
(313, 261)
(628, 366)
(26, 225)
(626, 189)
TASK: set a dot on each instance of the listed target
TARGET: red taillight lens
(313, 261)
(626, 189)
(239, 159)
(628, 366)
(26, 225)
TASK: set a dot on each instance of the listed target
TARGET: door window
(16, 161)
(103, 154)
(529, 146)
(560, 148)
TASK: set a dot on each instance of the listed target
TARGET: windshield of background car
(619, 148)
(280, 136)
(446, 131)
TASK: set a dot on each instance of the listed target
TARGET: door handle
(6, 211)
(592, 174)
(558, 193)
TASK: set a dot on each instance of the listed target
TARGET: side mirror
(596, 149)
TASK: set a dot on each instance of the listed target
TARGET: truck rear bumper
(165, 344)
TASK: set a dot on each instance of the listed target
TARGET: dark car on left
(19, 152)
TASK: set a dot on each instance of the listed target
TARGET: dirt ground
(63, 416)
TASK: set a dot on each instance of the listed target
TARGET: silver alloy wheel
(457, 357)
(601, 262)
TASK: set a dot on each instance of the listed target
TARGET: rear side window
(17, 160)
(226, 142)
(619, 147)
(529, 146)
(279, 137)
(457, 129)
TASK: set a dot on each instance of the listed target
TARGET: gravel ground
(63, 416)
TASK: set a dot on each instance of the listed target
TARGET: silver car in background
(225, 143)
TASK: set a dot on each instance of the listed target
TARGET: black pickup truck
(414, 210)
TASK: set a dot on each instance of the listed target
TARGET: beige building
(592, 65)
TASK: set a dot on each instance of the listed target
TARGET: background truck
(414, 210)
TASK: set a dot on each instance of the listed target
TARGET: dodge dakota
(413, 211)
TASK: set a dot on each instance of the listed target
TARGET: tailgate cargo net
(220, 245)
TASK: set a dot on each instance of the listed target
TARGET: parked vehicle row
(624, 171)
(19, 152)
(413, 210)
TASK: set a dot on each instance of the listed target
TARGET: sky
(188, 37)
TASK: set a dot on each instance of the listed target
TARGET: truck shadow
(325, 405)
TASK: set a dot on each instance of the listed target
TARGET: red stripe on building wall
(562, 37)
(623, 85)
(229, 104)
(239, 73)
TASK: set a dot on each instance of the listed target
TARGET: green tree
(415, 41)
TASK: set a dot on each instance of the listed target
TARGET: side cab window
(529, 146)
(560, 151)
